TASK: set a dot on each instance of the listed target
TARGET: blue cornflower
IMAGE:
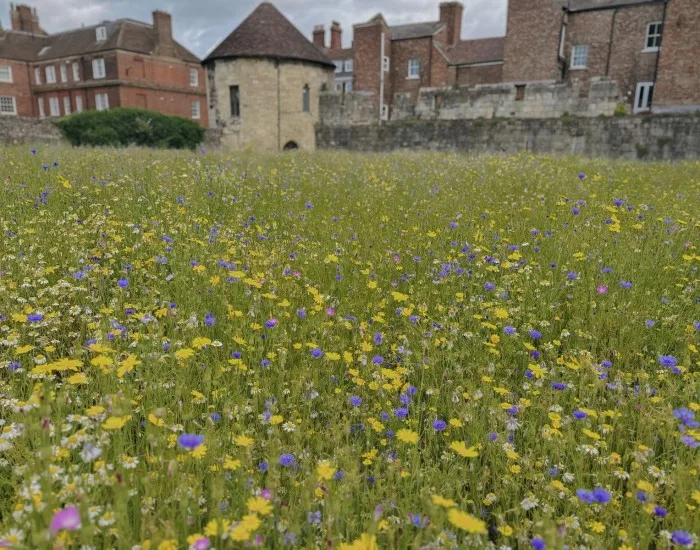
(537, 543)
(535, 334)
(439, 425)
(122, 283)
(215, 417)
(606, 364)
(265, 363)
(316, 353)
(668, 361)
(301, 313)
(601, 495)
(660, 511)
(682, 538)
(579, 415)
(585, 496)
(79, 275)
(401, 412)
(641, 496)
(572, 275)
(35, 317)
(262, 466)
(378, 338)
(190, 441)
(377, 359)
(626, 284)
(13, 366)
(685, 417)
(271, 323)
(209, 319)
(489, 286)
(355, 401)
(649, 323)
(510, 330)
(559, 386)
(286, 459)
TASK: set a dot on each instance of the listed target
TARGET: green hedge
(123, 127)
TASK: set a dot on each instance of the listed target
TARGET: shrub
(124, 127)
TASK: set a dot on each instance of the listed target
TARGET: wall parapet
(28, 131)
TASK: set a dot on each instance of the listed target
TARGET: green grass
(393, 279)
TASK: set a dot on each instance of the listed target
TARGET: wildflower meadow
(200, 350)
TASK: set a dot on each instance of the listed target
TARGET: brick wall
(532, 40)
(679, 67)
(169, 103)
(441, 74)
(671, 137)
(479, 74)
(401, 52)
(167, 73)
(621, 58)
(367, 58)
(19, 88)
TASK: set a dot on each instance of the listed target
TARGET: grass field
(354, 352)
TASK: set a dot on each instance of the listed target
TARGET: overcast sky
(201, 24)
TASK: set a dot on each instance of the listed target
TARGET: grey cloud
(201, 25)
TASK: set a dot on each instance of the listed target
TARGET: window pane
(306, 99)
(235, 101)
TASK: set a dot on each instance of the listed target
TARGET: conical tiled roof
(268, 33)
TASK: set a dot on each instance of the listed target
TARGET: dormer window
(101, 33)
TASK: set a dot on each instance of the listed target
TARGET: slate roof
(414, 30)
(268, 33)
(469, 52)
(586, 5)
(345, 53)
(123, 34)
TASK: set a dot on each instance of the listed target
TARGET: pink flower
(68, 519)
(330, 311)
(201, 544)
(266, 494)
(602, 289)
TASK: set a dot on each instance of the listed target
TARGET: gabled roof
(587, 5)
(470, 52)
(123, 34)
(415, 30)
(268, 33)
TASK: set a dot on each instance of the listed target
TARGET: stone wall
(670, 137)
(28, 131)
(534, 100)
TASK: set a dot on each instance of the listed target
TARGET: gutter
(630, 5)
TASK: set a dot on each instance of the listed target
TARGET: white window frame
(562, 42)
(194, 78)
(98, 68)
(413, 64)
(386, 63)
(6, 74)
(54, 106)
(644, 94)
(78, 104)
(101, 34)
(656, 36)
(102, 102)
(348, 66)
(196, 110)
(577, 65)
(76, 72)
(66, 105)
(8, 101)
(42, 110)
(64, 72)
(50, 72)
(37, 75)
(338, 66)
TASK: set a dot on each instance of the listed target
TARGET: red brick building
(121, 63)
(401, 59)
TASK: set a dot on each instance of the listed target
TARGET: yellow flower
(200, 342)
(184, 353)
(276, 419)
(596, 527)
(461, 449)
(116, 422)
(199, 452)
(244, 441)
(591, 434)
(79, 378)
(231, 464)
(407, 436)
(260, 505)
(169, 544)
(153, 419)
(23, 349)
(466, 522)
(325, 471)
(444, 502)
(365, 542)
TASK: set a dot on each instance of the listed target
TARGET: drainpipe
(658, 54)
(610, 42)
(279, 108)
(381, 79)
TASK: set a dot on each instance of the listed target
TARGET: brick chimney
(320, 36)
(25, 19)
(163, 25)
(451, 15)
(336, 36)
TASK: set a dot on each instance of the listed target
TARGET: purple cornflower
(489, 286)
(509, 330)
(572, 275)
(401, 412)
(301, 313)
(190, 441)
(682, 538)
(13, 366)
(439, 425)
(378, 338)
(355, 401)
(626, 284)
(122, 283)
(209, 319)
(559, 386)
(271, 323)
(686, 417)
(668, 361)
(286, 459)
(535, 334)
(316, 353)
(649, 323)
(377, 359)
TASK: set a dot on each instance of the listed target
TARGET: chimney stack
(25, 19)
(451, 15)
(320, 36)
(336, 36)
(163, 25)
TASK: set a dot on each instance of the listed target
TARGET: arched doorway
(291, 146)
